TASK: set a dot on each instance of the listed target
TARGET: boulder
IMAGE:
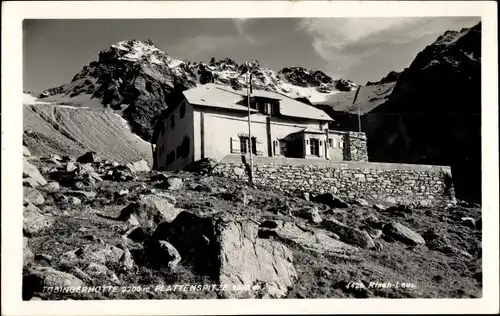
(150, 210)
(75, 201)
(26, 152)
(230, 251)
(468, 221)
(53, 186)
(123, 192)
(43, 258)
(30, 171)
(162, 253)
(31, 195)
(34, 221)
(240, 195)
(39, 277)
(28, 255)
(239, 171)
(159, 176)
(390, 200)
(330, 200)
(174, 183)
(30, 182)
(101, 272)
(126, 261)
(83, 194)
(310, 213)
(379, 207)
(79, 185)
(200, 187)
(438, 242)
(139, 166)
(106, 254)
(316, 240)
(95, 176)
(348, 234)
(361, 202)
(403, 234)
(88, 157)
(424, 203)
(373, 232)
(71, 166)
(306, 196)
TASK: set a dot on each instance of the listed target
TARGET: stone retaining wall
(392, 183)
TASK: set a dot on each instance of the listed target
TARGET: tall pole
(359, 114)
(250, 177)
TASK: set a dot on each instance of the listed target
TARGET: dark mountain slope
(433, 115)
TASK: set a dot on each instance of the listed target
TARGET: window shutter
(308, 148)
(321, 149)
(235, 145)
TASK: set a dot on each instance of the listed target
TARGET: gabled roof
(220, 96)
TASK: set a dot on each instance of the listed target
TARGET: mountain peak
(140, 80)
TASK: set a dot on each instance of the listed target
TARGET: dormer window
(265, 106)
(262, 107)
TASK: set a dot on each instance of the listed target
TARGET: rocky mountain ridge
(141, 80)
(433, 114)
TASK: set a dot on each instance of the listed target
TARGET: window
(274, 108)
(172, 120)
(331, 142)
(314, 146)
(261, 107)
(244, 144)
(283, 147)
(182, 110)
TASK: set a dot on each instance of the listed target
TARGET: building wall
(223, 128)
(376, 182)
(335, 150)
(171, 139)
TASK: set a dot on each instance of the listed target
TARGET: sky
(359, 49)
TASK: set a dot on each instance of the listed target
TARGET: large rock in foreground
(316, 240)
(230, 251)
(349, 234)
(403, 234)
(39, 277)
(31, 174)
(34, 221)
(31, 195)
(151, 210)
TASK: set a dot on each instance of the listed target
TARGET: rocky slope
(433, 115)
(72, 131)
(90, 222)
(141, 80)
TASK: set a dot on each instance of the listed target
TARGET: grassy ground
(432, 273)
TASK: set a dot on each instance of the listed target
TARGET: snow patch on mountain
(29, 99)
(147, 80)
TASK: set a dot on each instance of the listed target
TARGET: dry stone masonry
(382, 182)
(356, 147)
